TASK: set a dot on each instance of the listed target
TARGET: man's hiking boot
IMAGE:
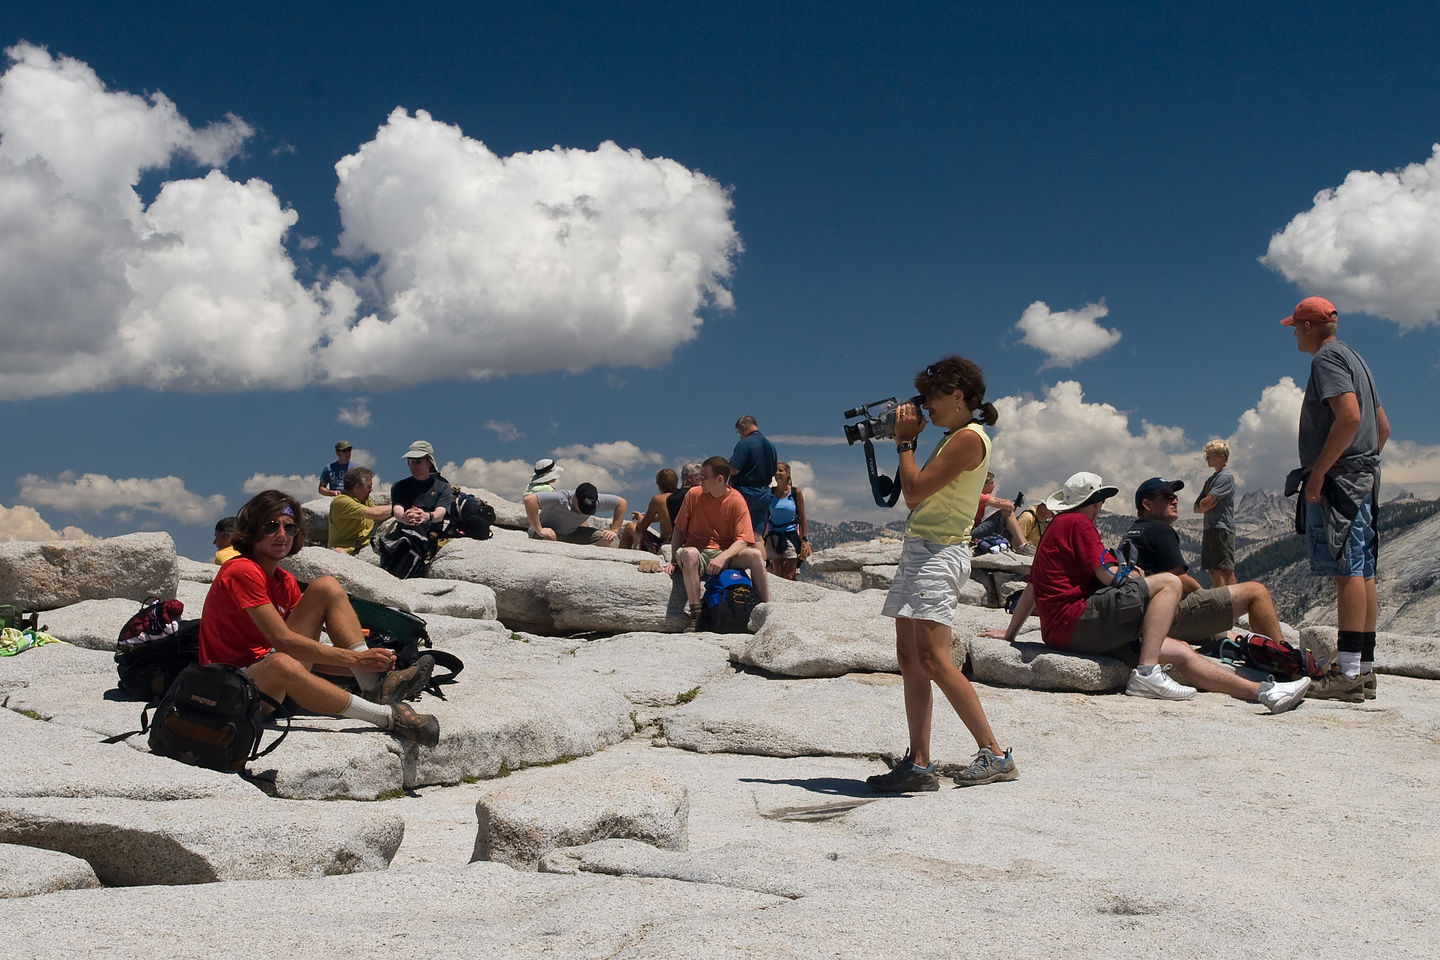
(1158, 685)
(1368, 680)
(398, 685)
(1335, 685)
(987, 768)
(420, 727)
(1279, 697)
(905, 777)
(694, 626)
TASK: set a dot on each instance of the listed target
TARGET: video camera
(879, 419)
(877, 422)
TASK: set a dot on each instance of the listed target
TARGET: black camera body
(878, 419)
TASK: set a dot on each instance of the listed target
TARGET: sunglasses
(272, 527)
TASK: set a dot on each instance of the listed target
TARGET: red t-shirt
(1063, 575)
(985, 499)
(711, 524)
(227, 634)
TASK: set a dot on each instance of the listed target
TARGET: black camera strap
(885, 490)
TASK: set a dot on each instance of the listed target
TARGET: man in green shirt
(352, 515)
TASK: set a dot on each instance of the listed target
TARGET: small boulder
(520, 823)
(32, 871)
(57, 573)
(1038, 667)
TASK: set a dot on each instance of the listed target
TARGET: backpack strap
(451, 663)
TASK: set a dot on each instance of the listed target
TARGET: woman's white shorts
(927, 582)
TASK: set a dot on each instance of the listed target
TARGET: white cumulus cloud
(1039, 442)
(503, 429)
(818, 505)
(1066, 336)
(561, 259)
(620, 456)
(95, 493)
(190, 292)
(300, 487)
(1372, 244)
(1264, 446)
(25, 523)
(356, 414)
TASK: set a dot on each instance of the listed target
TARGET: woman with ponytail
(935, 560)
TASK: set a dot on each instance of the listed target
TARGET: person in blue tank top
(785, 532)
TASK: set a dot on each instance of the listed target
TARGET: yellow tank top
(947, 515)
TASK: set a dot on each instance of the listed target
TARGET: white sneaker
(1279, 697)
(1159, 685)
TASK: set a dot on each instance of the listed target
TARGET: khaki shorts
(1217, 550)
(1202, 614)
(1111, 621)
(927, 582)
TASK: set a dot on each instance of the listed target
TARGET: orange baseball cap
(1313, 309)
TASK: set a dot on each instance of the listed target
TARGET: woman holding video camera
(942, 495)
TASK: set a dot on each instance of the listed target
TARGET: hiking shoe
(398, 685)
(420, 727)
(987, 768)
(694, 626)
(1368, 682)
(905, 777)
(1159, 685)
(1279, 697)
(1335, 685)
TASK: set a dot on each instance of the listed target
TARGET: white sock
(376, 714)
(1367, 666)
(368, 679)
(1350, 663)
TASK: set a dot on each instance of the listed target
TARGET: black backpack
(212, 717)
(727, 603)
(153, 647)
(469, 517)
(406, 551)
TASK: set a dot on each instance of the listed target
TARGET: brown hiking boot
(694, 626)
(1368, 679)
(420, 727)
(398, 685)
(1334, 685)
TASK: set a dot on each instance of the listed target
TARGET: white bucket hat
(1080, 490)
(546, 471)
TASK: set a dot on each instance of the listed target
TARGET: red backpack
(1275, 657)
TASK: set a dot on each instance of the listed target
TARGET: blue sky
(605, 232)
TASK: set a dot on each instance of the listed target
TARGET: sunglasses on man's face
(272, 527)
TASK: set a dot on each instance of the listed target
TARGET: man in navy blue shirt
(753, 464)
(332, 478)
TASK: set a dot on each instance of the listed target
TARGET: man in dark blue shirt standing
(754, 462)
(332, 478)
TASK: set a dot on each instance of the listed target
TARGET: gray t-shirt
(1337, 369)
(1221, 486)
(557, 513)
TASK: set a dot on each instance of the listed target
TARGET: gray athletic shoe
(1279, 697)
(1335, 685)
(987, 768)
(1368, 679)
(905, 777)
(398, 685)
(1159, 685)
(420, 727)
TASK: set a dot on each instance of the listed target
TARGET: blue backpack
(727, 603)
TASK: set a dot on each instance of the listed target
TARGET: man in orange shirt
(713, 532)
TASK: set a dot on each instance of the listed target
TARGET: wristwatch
(905, 445)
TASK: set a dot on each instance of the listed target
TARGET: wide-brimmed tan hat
(1080, 490)
(420, 448)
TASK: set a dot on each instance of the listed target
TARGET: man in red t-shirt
(257, 619)
(1089, 602)
(713, 531)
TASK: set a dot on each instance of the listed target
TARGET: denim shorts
(758, 500)
(927, 582)
(1358, 558)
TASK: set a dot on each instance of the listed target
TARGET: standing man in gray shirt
(1217, 503)
(1342, 431)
